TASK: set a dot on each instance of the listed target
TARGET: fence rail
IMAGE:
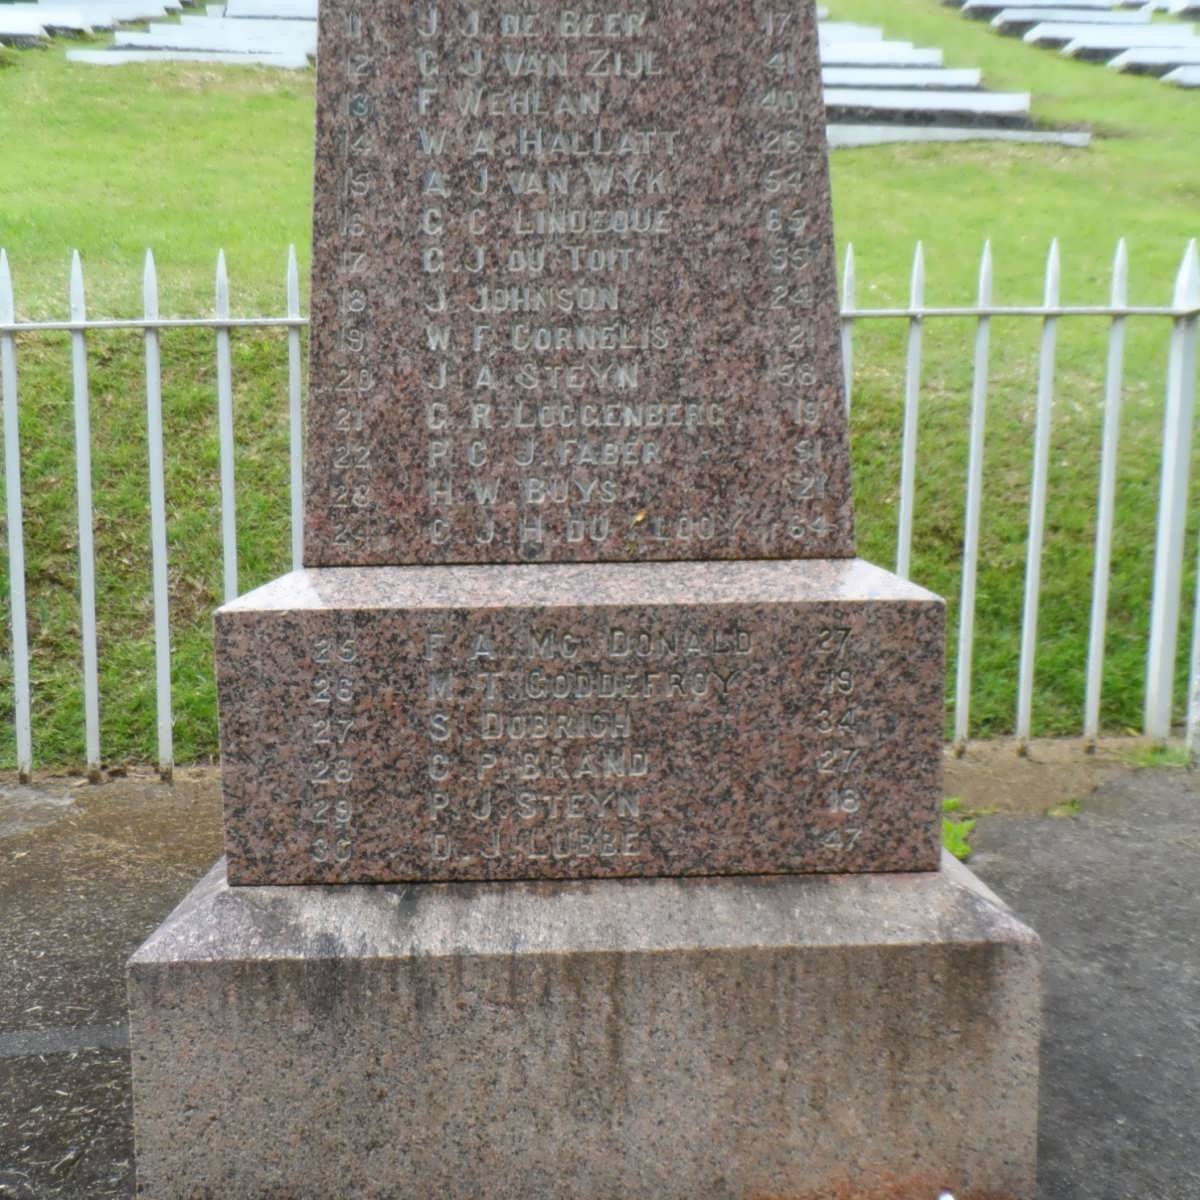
(1183, 313)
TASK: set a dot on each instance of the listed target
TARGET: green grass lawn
(191, 159)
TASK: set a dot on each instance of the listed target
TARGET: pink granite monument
(584, 671)
(574, 303)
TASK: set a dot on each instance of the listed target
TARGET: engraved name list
(552, 321)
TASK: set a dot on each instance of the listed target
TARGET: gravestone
(583, 671)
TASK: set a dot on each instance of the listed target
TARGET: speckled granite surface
(574, 291)
(575, 316)
(798, 1037)
(383, 724)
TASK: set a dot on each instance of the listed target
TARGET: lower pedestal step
(805, 1038)
(439, 723)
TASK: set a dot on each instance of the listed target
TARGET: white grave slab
(1020, 20)
(21, 29)
(287, 9)
(902, 77)
(1097, 43)
(129, 10)
(262, 25)
(60, 16)
(994, 104)
(879, 54)
(989, 8)
(1187, 77)
(844, 137)
(117, 58)
(181, 37)
(847, 31)
(1155, 60)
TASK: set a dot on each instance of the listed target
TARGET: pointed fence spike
(848, 277)
(78, 306)
(1187, 282)
(917, 288)
(1053, 276)
(1120, 276)
(985, 276)
(293, 283)
(150, 287)
(7, 308)
(222, 286)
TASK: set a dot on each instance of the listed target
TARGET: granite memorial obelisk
(582, 675)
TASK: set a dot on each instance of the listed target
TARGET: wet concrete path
(86, 872)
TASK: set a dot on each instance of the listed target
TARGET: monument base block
(399, 724)
(784, 1038)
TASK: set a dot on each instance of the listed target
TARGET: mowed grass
(187, 160)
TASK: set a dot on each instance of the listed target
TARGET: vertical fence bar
(87, 552)
(912, 399)
(225, 431)
(158, 525)
(295, 439)
(966, 618)
(1037, 500)
(1172, 505)
(973, 508)
(1107, 498)
(1192, 731)
(848, 302)
(14, 514)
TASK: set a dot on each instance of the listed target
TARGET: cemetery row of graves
(1122, 34)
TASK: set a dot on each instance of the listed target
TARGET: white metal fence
(1183, 313)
